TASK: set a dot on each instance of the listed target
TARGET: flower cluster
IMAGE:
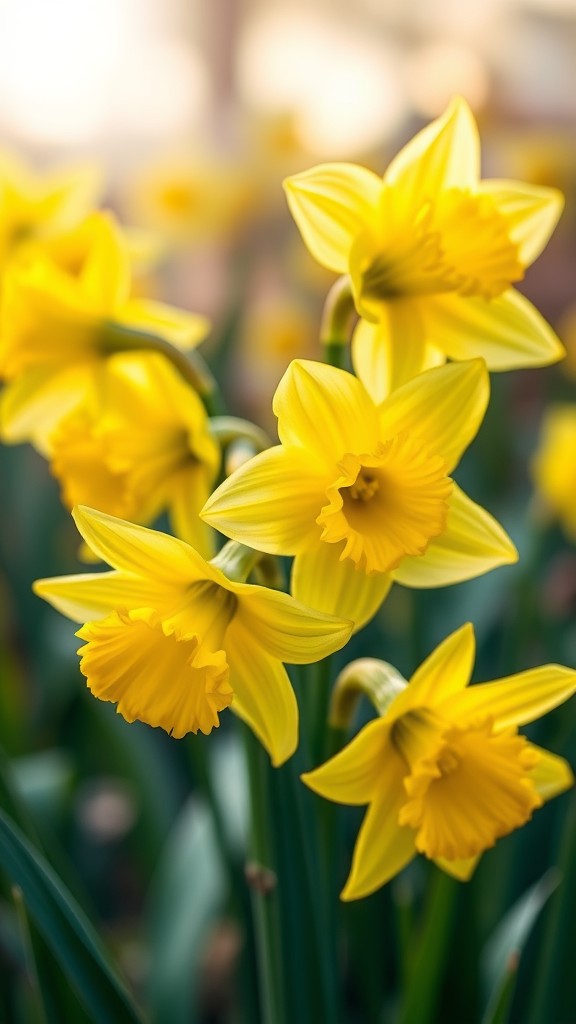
(360, 491)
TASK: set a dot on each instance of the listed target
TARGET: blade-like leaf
(188, 892)
(66, 930)
(502, 951)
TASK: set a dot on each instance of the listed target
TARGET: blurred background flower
(195, 112)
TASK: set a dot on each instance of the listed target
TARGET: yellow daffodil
(59, 323)
(36, 208)
(432, 252)
(361, 493)
(174, 641)
(554, 465)
(191, 198)
(444, 770)
(140, 446)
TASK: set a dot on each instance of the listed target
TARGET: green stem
(263, 885)
(319, 691)
(429, 953)
(227, 429)
(337, 321)
(190, 365)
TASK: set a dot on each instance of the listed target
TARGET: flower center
(457, 242)
(466, 786)
(154, 673)
(364, 487)
(387, 505)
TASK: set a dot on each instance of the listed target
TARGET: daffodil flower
(444, 770)
(173, 640)
(554, 465)
(57, 328)
(37, 208)
(432, 252)
(361, 492)
(140, 446)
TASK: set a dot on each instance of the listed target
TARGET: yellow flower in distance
(432, 252)
(361, 493)
(141, 446)
(174, 641)
(36, 208)
(188, 199)
(444, 770)
(56, 321)
(554, 465)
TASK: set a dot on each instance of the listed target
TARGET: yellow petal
(94, 595)
(186, 495)
(473, 543)
(31, 405)
(531, 211)
(445, 672)
(263, 694)
(178, 326)
(383, 847)
(462, 870)
(271, 502)
(45, 320)
(387, 354)
(331, 204)
(135, 549)
(354, 774)
(551, 775)
(445, 154)
(444, 406)
(325, 410)
(516, 700)
(105, 276)
(69, 193)
(320, 580)
(507, 331)
(287, 629)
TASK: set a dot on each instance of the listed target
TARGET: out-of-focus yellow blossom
(174, 641)
(554, 465)
(141, 445)
(360, 492)
(189, 199)
(431, 251)
(444, 770)
(58, 322)
(275, 330)
(36, 208)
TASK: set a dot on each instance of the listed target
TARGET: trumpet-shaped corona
(361, 492)
(432, 252)
(444, 770)
(140, 447)
(173, 640)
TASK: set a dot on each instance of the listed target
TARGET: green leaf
(187, 895)
(502, 952)
(66, 930)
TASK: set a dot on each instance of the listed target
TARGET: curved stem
(368, 677)
(190, 365)
(337, 321)
(227, 429)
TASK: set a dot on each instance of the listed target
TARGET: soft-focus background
(195, 112)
